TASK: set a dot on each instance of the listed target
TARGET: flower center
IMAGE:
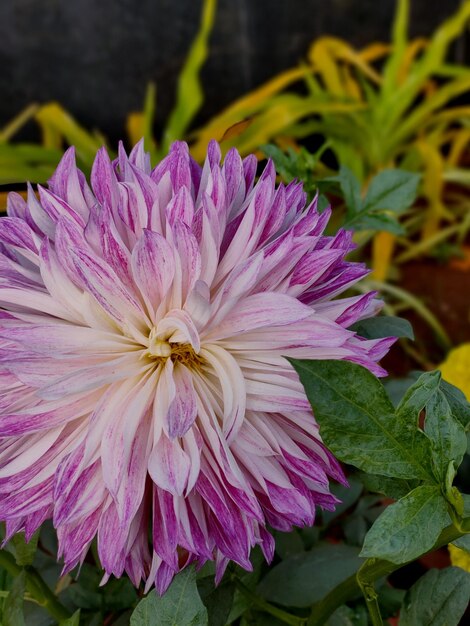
(162, 349)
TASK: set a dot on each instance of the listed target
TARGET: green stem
(370, 596)
(372, 570)
(36, 586)
(285, 617)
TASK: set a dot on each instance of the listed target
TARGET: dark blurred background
(96, 57)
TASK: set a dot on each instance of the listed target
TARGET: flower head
(143, 327)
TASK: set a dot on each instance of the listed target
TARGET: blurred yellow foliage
(456, 368)
(459, 558)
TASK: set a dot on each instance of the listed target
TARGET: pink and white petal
(153, 267)
(164, 396)
(15, 232)
(24, 299)
(104, 285)
(56, 338)
(58, 284)
(126, 433)
(178, 327)
(46, 416)
(198, 304)
(180, 208)
(275, 394)
(56, 208)
(96, 376)
(69, 183)
(258, 311)
(190, 257)
(169, 465)
(183, 410)
(104, 180)
(232, 384)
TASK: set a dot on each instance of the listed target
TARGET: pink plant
(143, 331)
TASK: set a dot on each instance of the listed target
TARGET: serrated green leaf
(447, 435)
(417, 396)
(306, 578)
(394, 488)
(181, 605)
(13, 607)
(458, 403)
(439, 598)
(408, 528)
(358, 421)
(24, 552)
(350, 188)
(383, 326)
(392, 190)
(377, 221)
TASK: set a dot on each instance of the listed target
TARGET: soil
(444, 290)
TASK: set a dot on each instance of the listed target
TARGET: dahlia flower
(143, 327)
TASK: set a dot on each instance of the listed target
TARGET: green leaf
(87, 594)
(118, 594)
(306, 578)
(255, 618)
(288, 544)
(463, 543)
(394, 488)
(181, 605)
(377, 221)
(217, 600)
(347, 496)
(383, 326)
(13, 607)
(458, 403)
(447, 435)
(392, 190)
(397, 387)
(390, 598)
(345, 616)
(408, 528)
(418, 395)
(357, 523)
(250, 579)
(350, 188)
(24, 552)
(439, 598)
(72, 621)
(358, 421)
(284, 163)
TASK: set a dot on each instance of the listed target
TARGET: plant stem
(370, 596)
(285, 617)
(36, 586)
(372, 570)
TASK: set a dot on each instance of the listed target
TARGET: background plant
(385, 106)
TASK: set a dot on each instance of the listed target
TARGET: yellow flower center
(162, 349)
